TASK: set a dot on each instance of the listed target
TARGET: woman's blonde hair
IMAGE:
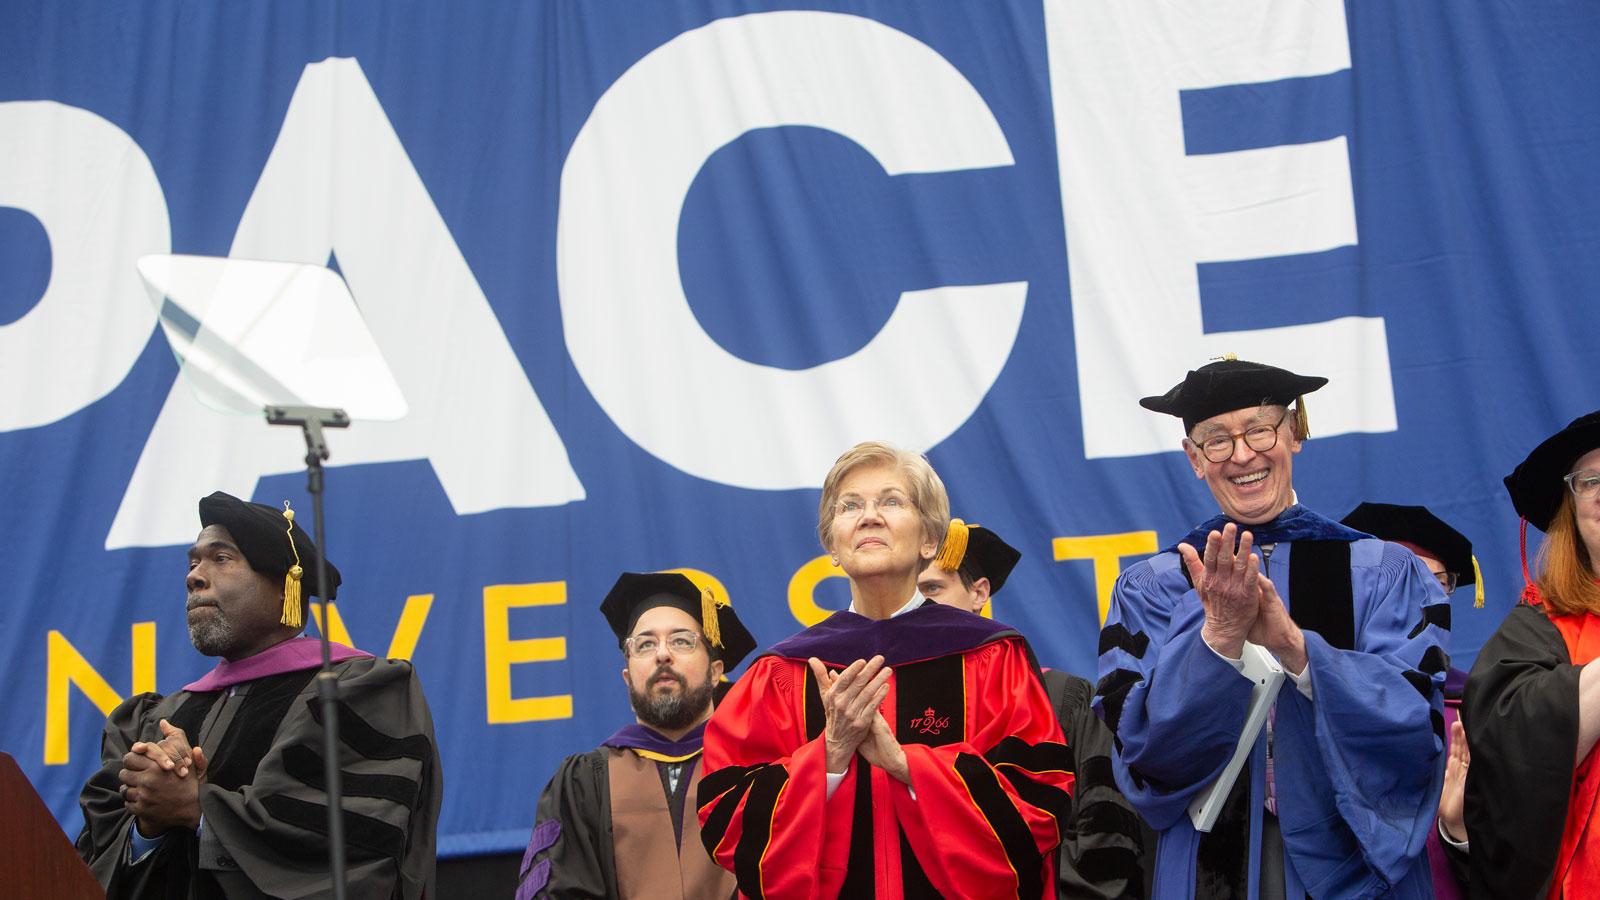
(927, 491)
(1562, 568)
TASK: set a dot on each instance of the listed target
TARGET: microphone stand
(312, 419)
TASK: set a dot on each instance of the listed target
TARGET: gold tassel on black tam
(292, 605)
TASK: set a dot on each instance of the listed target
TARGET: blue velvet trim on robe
(1294, 524)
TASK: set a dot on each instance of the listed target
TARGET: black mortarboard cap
(264, 534)
(636, 593)
(1535, 484)
(977, 551)
(1416, 525)
(1230, 384)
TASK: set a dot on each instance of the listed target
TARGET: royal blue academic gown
(1358, 767)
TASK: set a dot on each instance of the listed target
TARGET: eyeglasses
(1448, 580)
(679, 643)
(1583, 484)
(1260, 438)
(887, 505)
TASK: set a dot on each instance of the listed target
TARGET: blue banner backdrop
(643, 270)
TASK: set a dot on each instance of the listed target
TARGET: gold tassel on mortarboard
(954, 548)
(1477, 585)
(708, 617)
(1302, 425)
(291, 580)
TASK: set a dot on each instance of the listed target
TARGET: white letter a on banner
(339, 182)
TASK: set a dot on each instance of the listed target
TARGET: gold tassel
(708, 617)
(1477, 583)
(291, 580)
(954, 548)
(1302, 425)
(291, 598)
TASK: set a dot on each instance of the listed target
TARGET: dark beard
(214, 636)
(672, 712)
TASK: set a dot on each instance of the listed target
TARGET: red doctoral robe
(988, 768)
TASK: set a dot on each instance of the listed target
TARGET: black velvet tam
(1535, 484)
(636, 593)
(1416, 525)
(988, 557)
(1230, 384)
(262, 534)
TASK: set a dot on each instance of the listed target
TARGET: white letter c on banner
(708, 412)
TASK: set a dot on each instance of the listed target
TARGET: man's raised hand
(1227, 581)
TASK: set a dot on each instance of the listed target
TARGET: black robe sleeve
(267, 832)
(1108, 850)
(569, 854)
(105, 839)
(1520, 710)
(272, 832)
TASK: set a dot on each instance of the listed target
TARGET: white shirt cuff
(1302, 682)
(835, 778)
(1238, 664)
(1459, 845)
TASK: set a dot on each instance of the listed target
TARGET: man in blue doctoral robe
(1338, 796)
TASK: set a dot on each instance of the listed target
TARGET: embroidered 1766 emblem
(930, 722)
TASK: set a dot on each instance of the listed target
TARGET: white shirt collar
(916, 600)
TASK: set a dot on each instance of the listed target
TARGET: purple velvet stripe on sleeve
(535, 882)
(543, 838)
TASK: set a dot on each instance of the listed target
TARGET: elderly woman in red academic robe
(1532, 702)
(900, 748)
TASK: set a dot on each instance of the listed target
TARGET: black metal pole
(311, 421)
(328, 690)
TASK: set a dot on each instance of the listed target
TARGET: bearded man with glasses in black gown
(619, 820)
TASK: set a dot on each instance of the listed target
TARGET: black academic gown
(1520, 710)
(578, 848)
(1106, 850)
(264, 811)
(570, 852)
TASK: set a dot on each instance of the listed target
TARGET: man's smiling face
(1250, 486)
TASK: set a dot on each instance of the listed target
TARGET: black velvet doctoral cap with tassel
(1417, 525)
(636, 593)
(978, 552)
(1535, 484)
(1229, 384)
(273, 544)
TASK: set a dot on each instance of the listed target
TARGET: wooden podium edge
(36, 858)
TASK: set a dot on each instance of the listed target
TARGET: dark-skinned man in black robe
(216, 790)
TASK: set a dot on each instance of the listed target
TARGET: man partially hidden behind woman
(897, 749)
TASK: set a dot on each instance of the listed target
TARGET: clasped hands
(161, 782)
(1241, 603)
(850, 701)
